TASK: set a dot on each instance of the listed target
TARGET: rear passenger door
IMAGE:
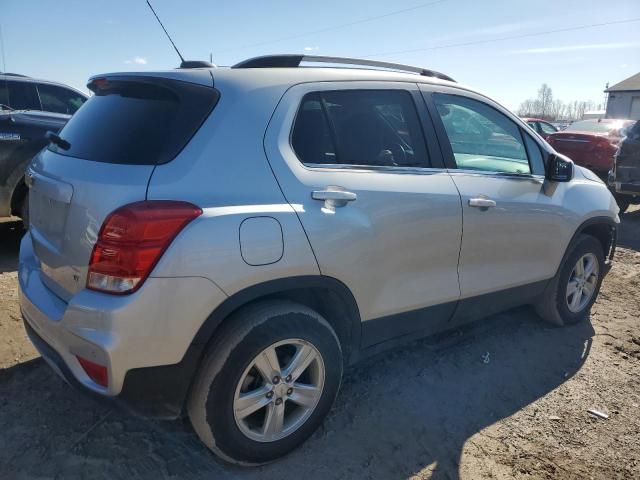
(363, 171)
(512, 224)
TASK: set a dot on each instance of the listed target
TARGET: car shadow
(11, 232)
(397, 413)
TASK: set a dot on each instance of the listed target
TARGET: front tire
(570, 295)
(268, 380)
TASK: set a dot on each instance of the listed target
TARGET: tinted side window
(4, 94)
(360, 128)
(481, 137)
(59, 100)
(22, 96)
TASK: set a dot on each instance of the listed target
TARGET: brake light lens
(97, 373)
(132, 240)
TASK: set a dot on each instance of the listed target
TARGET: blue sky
(70, 40)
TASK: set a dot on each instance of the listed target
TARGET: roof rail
(293, 61)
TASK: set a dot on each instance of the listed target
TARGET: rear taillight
(132, 240)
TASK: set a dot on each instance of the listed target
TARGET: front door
(382, 215)
(512, 221)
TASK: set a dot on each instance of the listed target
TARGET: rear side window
(19, 95)
(359, 128)
(481, 137)
(59, 100)
(137, 121)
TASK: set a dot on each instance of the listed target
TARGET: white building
(624, 99)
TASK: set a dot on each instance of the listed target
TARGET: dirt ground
(505, 398)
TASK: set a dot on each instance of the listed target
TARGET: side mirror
(558, 169)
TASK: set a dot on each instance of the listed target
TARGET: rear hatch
(591, 150)
(573, 142)
(109, 150)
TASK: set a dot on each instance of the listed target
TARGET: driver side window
(373, 128)
(481, 137)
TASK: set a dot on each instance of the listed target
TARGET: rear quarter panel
(224, 170)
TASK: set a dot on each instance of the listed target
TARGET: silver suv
(224, 241)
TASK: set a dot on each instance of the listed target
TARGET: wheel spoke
(580, 268)
(267, 364)
(299, 363)
(589, 287)
(274, 420)
(575, 300)
(305, 395)
(251, 402)
(572, 288)
(588, 268)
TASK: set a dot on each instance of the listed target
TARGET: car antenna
(183, 63)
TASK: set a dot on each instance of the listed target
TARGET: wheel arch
(18, 194)
(604, 229)
(328, 296)
(162, 391)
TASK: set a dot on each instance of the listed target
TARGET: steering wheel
(399, 152)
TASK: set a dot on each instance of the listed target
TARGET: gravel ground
(507, 397)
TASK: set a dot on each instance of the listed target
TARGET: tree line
(546, 107)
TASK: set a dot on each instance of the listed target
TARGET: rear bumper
(143, 339)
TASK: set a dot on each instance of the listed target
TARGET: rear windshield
(137, 122)
(595, 126)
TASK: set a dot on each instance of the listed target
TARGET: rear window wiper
(57, 140)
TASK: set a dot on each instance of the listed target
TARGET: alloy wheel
(582, 283)
(279, 390)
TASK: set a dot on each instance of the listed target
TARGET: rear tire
(570, 295)
(233, 373)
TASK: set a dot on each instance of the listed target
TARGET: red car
(591, 143)
(541, 127)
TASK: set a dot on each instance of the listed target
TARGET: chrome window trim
(336, 167)
(503, 175)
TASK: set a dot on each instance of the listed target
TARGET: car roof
(251, 78)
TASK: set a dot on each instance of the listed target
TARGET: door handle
(481, 202)
(334, 197)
